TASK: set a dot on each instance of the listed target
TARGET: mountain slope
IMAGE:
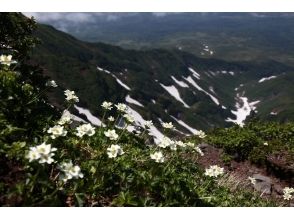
(193, 93)
(228, 36)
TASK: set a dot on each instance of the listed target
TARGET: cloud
(54, 16)
(80, 17)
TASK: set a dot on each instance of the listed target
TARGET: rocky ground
(269, 181)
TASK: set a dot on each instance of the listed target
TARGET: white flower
(114, 150)
(199, 150)
(110, 118)
(107, 105)
(200, 134)
(158, 157)
(47, 158)
(252, 180)
(6, 60)
(70, 171)
(51, 83)
(214, 171)
(57, 131)
(111, 134)
(85, 129)
(168, 125)
(71, 96)
(66, 118)
(288, 193)
(265, 144)
(190, 144)
(129, 118)
(148, 124)
(173, 146)
(42, 152)
(165, 142)
(33, 154)
(121, 107)
(181, 143)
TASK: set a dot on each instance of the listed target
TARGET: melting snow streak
(195, 74)
(133, 101)
(114, 76)
(242, 111)
(172, 90)
(139, 120)
(180, 83)
(266, 78)
(91, 118)
(190, 80)
(192, 130)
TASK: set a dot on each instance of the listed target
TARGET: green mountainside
(92, 70)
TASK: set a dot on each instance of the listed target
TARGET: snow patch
(195, 74)
(266, 78)
(91, 118)
(133, 101)
(139, 120)
(243, 110)
(180, 83)
(193, 83)
(114, 76)
(121, 83)
(103, 70)
(192, 130)
(172, 90)
(211, 89)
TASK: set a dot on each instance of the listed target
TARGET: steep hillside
(193, 93)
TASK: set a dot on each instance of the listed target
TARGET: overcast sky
(79, 17)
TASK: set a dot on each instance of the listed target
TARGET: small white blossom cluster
(252, 180)
(148, 124)
(167, 125)
(107, 105)
(114, 150)
(192, 145)
(42, 153)
(71, 96)
(6, 60)
(166, 142)
(214, 171)
(200, 134)
(110, 118)
(199, 150)
(157, 156)
(129, 118)
(181, 144)
(85, 129)
(121, 107)
(288, 191)
(57, 131)
(51, 83)
(111, 134)
(66, 118)
(70, 171)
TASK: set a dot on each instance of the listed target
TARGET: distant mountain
(166, 85)
(229, 36)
